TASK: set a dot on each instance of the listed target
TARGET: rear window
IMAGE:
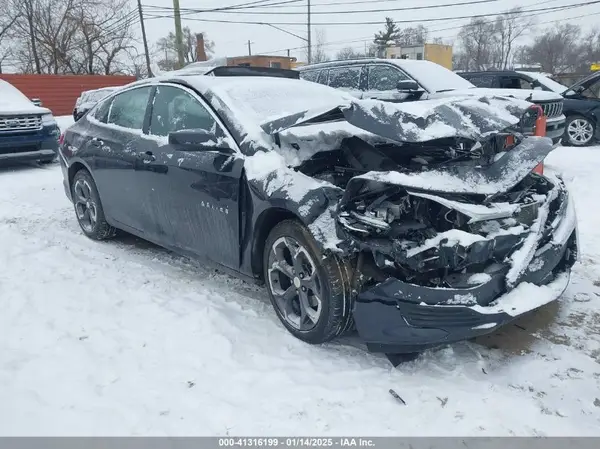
(481, 80)
(345, 77)
(310, 75)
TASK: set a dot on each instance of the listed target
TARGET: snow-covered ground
(125, 338)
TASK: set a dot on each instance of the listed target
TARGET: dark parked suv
(581, 104)
(399, 80)
(28, 132)
(420, 226)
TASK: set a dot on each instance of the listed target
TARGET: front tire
(309, 291)
(88, 207)
(579, 131)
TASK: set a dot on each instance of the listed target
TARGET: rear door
(118, 155)
(194, 193)
(347, 78)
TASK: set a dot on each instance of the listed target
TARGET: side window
(174, 109)
(345, 77)
(310, 75)
(510, 82)
(323, 77)
(101, 112)
(481, 80)
(525, 84)
(129, 108)
(385, 77)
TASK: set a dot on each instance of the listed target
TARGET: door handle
(147, 156)
(97, 142)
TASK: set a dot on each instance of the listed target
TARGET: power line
(429, 19)
(370, 39)
(364, 11)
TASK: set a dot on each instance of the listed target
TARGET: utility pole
(178, 33)
(139, 2)
(309, 38)
(249, 48)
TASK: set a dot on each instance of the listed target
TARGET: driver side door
(382, 82)
(198, 187)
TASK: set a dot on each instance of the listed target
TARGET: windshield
(265, 98)
(546, 82)
(433, 77)
(585, 81)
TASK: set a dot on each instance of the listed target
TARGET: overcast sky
(231, 38)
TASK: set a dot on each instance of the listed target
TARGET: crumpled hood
(498, 177)
(472, 118)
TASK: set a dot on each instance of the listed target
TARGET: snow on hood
(473, 118)
(521, 94)
(501, 176)
(13, 101)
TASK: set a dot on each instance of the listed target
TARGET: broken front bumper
(397, 317)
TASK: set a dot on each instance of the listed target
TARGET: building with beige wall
(438, 53)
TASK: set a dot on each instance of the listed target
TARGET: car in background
(419, 224)
(201, 68)
(27, 132)
(88, 99)
(581, 104)
(399, 80)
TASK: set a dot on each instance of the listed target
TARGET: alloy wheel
(580, 131)
(295, 284)
(85, 205)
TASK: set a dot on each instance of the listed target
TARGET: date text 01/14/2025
(296, 442)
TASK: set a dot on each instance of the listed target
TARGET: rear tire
(309, 291)
(88, 207)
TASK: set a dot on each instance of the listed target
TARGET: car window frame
(368, 66)
(146, 116)
(236, 149)
(367, 69)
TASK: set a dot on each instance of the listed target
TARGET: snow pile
(269, 170)
(124, 338)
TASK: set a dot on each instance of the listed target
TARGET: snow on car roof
(263, 98)
(433, 77)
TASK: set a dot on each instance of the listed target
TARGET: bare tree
(510, 26)
(557, 50)
(590, 49)
(478, 41)
(412, 36)
(319, 42)
(71, 36)
(166, 47)
(347, 53)
(26, 52)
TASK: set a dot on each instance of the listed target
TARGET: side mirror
(198, 140)
(36, 101)
(407, 85)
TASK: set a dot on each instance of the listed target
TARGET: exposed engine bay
(432, 238)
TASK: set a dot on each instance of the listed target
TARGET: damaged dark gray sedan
(418, 224)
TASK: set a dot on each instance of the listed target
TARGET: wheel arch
(266, 221)
(74, 168)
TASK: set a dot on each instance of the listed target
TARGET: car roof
(491, 72)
